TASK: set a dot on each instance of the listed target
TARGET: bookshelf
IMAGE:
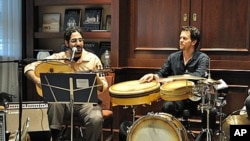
(53, 40)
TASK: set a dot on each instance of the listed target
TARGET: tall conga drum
(134, 92)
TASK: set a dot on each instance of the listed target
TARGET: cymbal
(186, 77)
(211, 81)
(234, 120)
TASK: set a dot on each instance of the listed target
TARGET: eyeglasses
(75, 40)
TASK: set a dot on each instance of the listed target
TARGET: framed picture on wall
(51, 22)
(92, 19)
(72, 17)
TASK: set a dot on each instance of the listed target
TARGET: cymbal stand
(206, 106)
(220, 103)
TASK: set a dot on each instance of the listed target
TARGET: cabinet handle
(185, 17)
(194, 17)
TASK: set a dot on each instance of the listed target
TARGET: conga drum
(177, 90)
(134, 92)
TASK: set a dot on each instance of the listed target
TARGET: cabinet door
(155, 26)
(224, 25)
(157, 23)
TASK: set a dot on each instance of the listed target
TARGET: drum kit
(162, 126)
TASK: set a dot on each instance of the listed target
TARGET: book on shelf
(51, 22)
(72, 17)
(92, 19)
(104, 45)
(108, 23)
(91, 46)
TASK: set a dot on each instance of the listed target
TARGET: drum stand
(206, 106)
(220, 103)
(133, 112)
(207, 130)
(186, 123)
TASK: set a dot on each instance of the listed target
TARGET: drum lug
(150, 113)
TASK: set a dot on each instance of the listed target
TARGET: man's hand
(147, 78)
(37, 81)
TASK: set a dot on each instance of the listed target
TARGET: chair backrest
(105, 97)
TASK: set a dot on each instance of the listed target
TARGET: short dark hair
(70, 30)
(194, 33)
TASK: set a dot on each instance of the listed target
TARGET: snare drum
(157, 127)
(134, 93)
(177, 90)
(235, 118)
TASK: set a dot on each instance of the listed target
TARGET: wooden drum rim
(177, 90)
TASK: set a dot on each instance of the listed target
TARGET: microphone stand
(29, 60)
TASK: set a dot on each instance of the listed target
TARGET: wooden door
(224, 25)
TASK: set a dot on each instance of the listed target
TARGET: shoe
(55, 134)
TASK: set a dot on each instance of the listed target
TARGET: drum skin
(235, 118)
(177, 90)
(134, 92)
(157, 127)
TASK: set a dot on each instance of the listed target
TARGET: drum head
(134, 93)
(157, 128)
(133, 88)
(234, 119)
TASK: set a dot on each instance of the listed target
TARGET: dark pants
(176, 109)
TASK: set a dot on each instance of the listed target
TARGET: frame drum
(235, 118)
(134, 93)
(157, 127)
(177, 90)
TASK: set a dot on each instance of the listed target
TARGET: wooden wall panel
(224, 26)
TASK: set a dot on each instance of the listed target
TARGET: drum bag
(123, 131)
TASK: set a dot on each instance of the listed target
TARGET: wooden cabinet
(224, 30)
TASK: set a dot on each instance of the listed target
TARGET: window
(10, 45)
(1, 29)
